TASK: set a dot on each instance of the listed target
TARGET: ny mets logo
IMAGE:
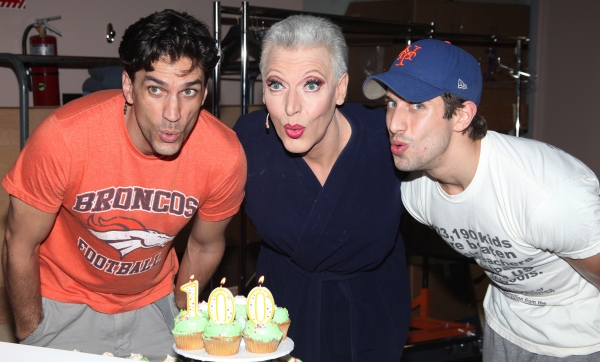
(407, 54)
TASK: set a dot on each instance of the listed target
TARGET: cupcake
(188, 331)
(138, 357)
(287, 358)
(203, 309)
(222, 339)
(262, 338)
(170, 359)
(240, 307)
(282, 318)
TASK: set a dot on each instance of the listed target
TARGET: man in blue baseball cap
(527, 212)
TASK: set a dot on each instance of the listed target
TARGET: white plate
(285, 347)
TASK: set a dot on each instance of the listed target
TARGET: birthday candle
(260, 304)
(191, 290)
(221, 305)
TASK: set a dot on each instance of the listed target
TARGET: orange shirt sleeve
(227, 187)
(39, 176)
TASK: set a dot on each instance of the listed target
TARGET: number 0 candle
(260, 304)
(191, 290)
(221, 305)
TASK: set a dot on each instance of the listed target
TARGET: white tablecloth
(17, 352)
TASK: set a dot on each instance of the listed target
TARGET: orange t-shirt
(117, 209)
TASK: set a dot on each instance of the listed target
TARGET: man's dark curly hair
(168, 35)
(478, 127)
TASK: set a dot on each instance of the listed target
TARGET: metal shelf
(20, 64)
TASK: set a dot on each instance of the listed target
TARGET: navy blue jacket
(332, 254)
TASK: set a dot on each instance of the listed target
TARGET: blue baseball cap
(427, 69)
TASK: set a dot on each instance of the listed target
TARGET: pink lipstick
(294, 131)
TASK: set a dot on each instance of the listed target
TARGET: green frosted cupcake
(262, 338)
(138, 357)
(188, 331)
(240, 307)
(222, 339)
(203, 308)
(282, 318)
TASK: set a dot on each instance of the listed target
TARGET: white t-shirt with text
(529, 206)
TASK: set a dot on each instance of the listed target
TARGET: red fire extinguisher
(44, 79)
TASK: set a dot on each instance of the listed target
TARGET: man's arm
(202, 256)
(26, 228)
(589, 268)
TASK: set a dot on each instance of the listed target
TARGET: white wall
(568, 83)
(83, 26)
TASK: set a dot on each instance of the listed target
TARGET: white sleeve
(568, 222)
(411, 191)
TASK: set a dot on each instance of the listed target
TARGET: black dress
(332, 254)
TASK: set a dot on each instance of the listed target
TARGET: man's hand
(26, 228)
(202, 256)
(589, 268)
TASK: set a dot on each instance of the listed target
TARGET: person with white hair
(324, 196)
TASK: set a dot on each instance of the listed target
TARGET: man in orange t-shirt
(103, 186)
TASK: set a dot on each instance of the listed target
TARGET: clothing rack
(20, 64)
(517, 42)
(350, 25)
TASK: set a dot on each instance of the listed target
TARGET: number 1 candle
(191, 290)
(221, 305)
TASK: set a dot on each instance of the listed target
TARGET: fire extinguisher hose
(25, 35)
